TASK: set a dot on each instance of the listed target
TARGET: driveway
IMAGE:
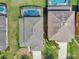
(62, 54)
(37, 55)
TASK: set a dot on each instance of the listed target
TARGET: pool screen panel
(2, 9)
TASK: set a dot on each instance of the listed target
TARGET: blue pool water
(1, 9)
(54, 2)
(31, 12)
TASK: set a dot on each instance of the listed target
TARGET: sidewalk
(62, 54)
(37, 55)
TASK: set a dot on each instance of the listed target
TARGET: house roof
(31, 33)
(3, 36)
(57, 28)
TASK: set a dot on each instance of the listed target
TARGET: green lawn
(50, 50)
(73, 50)
(73, 2)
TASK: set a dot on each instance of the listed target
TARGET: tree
(3, 57)
(49, 56)
(50, 49)
(25, 57)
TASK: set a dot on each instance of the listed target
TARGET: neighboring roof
(61, 25)
(3, 33)
(31, 30)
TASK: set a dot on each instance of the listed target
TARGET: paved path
(63, 50)
(36, 54)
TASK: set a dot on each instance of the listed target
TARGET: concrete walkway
(37, 55)
(62, 54)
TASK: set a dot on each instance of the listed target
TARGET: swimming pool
(2, 9)
(58, 2)
(31, 13)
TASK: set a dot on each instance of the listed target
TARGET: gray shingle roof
(3, 36)
(61, 25)
(31, 32)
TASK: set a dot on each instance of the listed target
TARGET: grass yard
(50, 50)
(73, 50)
(73, 2)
